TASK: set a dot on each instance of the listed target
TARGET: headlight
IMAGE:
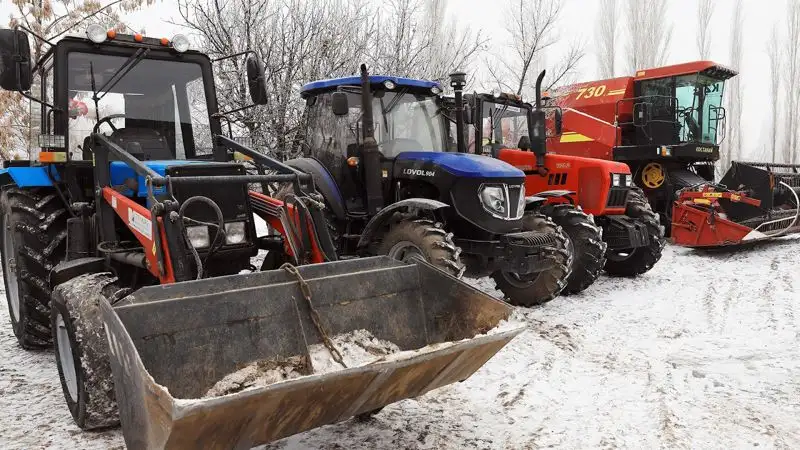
(615, 179)
(629, 180)
(389, 84)
(96, 33)
(493, 200)
(234, 232)
(198, 236)
(435, 90)
(180, 43)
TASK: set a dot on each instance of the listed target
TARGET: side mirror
(339, 104)
(641, 114)
(256, 81)
(558, 122)
(538, 132)
(15, 61)
(524, 143)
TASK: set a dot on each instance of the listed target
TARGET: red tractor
(610, 223)
(666, 123)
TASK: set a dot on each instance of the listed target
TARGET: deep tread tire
(431, 239)
(641, 259)
(37, 218)
(77, 302)
(546, 285)
(588, 248)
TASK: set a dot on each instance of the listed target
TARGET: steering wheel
(108, 119)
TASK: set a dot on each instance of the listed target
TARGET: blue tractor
(376, 148)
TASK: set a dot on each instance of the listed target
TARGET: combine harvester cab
(170, 344)
(753, 202)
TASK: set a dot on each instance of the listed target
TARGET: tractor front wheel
(586, 241)
(82, 351)
(411, 240)
(538, 287)
(636, 261)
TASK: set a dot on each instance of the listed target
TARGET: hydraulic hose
(220, 226)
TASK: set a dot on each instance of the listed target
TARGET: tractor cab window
(154, 110)
(502, 125)
(699, 108)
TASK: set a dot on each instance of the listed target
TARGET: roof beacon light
(138, 37)
(180, 43)
(96, 33)
(389, 84)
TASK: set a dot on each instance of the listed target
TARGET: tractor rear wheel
(636, 261)
(410, 240)
(34, 240)
(538, 287)
(82, 350)
(586, 241)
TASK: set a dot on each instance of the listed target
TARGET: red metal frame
(275, 222)
(136, 217)
(697, 220)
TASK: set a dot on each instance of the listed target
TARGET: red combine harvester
(753, 202)
(665, 123)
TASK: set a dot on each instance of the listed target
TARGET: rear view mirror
(641, 114)
(256, 82)
(15, 61)
(339, 104)
(558, 122)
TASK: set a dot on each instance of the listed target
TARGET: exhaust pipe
(457, 81)
(538, 128)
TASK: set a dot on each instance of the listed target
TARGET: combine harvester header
(753, 202)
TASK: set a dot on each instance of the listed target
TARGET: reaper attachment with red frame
(753, 202)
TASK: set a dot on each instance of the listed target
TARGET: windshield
(403, 122)
(501, 125)
(699, 103)
(157, 110)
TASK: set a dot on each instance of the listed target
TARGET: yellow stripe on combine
(616, 92)
(571, 136)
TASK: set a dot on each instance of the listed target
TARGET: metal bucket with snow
(170, 344)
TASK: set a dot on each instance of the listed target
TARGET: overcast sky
(577, 21)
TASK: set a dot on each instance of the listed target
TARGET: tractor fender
(324, 183)
(384, 216)
(537, 199)
(27, 176)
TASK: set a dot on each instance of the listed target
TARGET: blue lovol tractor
(376, 148)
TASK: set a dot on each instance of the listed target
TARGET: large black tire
(541, 287)
(408, 240)
(34, 240)
(586, 243)
(633, 262)
(82, 350)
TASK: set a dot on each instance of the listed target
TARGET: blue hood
(465, 165)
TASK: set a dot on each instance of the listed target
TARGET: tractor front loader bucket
(169, 344)
(752, 203)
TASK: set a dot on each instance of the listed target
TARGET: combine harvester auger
(126, 242)
(753, 202)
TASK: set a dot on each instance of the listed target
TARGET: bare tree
(773, 51)
(531, 26)
(297, 40)
(735, 95)
(422, 42)
(606, 35)
(792, 72)
(649, 33)
(705, 12)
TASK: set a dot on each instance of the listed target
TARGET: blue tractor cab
(377, 149)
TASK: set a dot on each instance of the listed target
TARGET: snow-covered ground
(702, 352)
